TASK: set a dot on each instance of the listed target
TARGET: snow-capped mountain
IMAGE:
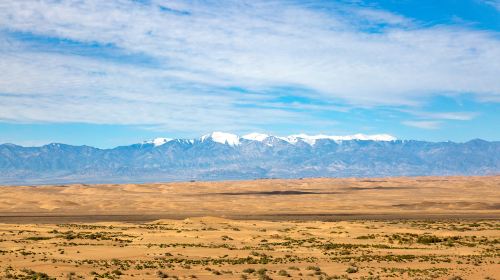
(220, 155)
(311, 139)
(235, 140)
(222, 137)
(255, 136)
(158, 141)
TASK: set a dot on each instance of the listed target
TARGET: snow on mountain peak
(234, 140)
(159, 141)
(293, 139)
(311, 139)
(223, 138)
(255, 136)
(373, 137)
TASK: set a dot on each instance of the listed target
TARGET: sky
(110, 73)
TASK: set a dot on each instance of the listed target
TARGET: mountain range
(225, 156)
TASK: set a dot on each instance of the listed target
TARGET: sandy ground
(398, 228)
(215, 248)
(308, 199)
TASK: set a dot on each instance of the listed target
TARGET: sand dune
(265, 199)
(398, 228)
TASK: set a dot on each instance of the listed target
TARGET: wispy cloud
(434, 120)
(423, 124)
(457, 116)
(176, 64)
(454, 116)
(493, 3)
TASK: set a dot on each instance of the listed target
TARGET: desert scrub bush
(381, 246)
(38, 238)
(248, 270)
(261, 273)
(333, 246)
(108, 275)
(428, 239)
(351, 269)
(161, 274)
(369, 236)
(283, 273)
(30, 274)
(315, 268)
(225, 237)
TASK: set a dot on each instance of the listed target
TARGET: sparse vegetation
(216, 248)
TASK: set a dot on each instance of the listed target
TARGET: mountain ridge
(234, 140)
(227, 156)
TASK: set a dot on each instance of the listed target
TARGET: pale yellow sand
(264, 199)
(215, 248)
(398, 228)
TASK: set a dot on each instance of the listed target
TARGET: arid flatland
(399, 228)
(325, 199)
(215, 248)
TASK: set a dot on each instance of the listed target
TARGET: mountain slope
(220, 156)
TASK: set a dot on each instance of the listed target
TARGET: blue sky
(108, 73)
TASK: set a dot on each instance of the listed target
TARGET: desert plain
(377, 228)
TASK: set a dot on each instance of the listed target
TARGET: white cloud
(434, 120)
(200, 48)
(423, 124)
(455, 116)
(494, 3)
(377, 16)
